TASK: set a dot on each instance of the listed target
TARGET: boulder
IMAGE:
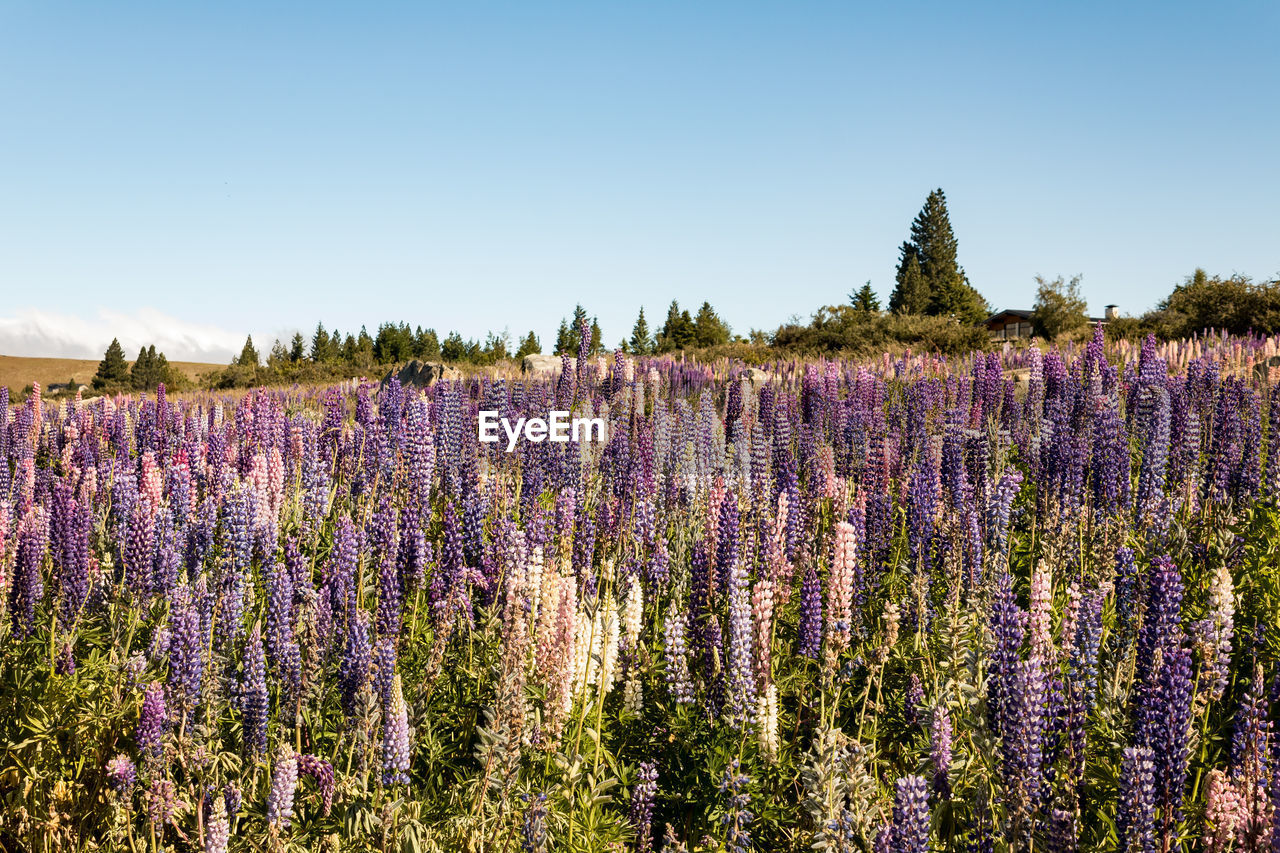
(1018, 375)
(544, 365)
(754, 376)
(421, 374)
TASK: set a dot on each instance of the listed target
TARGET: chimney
(1111, 313)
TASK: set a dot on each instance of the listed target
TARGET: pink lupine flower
(840, 587)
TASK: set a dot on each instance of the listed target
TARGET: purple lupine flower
(534, 831)
(321, 772)
(153, 719)
(254, 699)
(138, 548)
(395, 737)
(642, 795)
(1022, 738)
(1008, 623)
(737, 817)
(162, 803)
(913, 701)
(28, 582)
(186, 647)
(1155, 454)
(1251, 732)
(910, 831)
(1064, 831)
(357, 658)
(384, 667)
(1171, 738)
(122, 774)
(1136, 806)
(414, 552)
(73, 561)
(284, 785)
(940, 735)
(810, 614)
(1127, 582)
(341, 572)
(1161, 631)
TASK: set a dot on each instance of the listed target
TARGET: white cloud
(34, 332)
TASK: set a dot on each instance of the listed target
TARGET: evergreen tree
(279, 355)
(248, 355)
(911, 295)
(297, 348)
(529, 346)
(426, 345)
(641, 343)
(454, 348)
(677, 332)
(141, 370)
(595, 336)
(348, 348)
(566, 340)
(708, 329)
(865, 300)
(113, 370)
(320, 344)
(941, 287)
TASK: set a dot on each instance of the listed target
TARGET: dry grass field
(17, 372)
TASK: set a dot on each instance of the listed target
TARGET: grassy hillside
(17, 372)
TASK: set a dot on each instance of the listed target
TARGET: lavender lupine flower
(321, 772)
(1136, 806)
(999, 508)
(284, 785)
(810, 614)
(217, 830)
(395, 737)
(676, 654)
(153, 719)
(642, 795)
(534, 831)
(122, 774)
(910, 831)
(254, 699)
(737, 817)
(740, 682)
(940, 735)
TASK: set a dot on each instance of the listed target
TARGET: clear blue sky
(476, 166)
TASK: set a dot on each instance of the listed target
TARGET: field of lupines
(900, 606)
